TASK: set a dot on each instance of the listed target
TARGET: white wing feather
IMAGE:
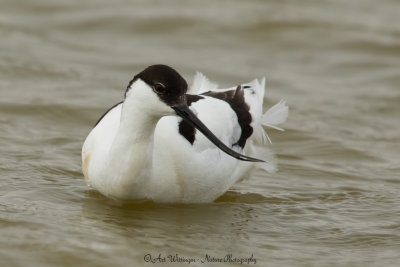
(201, 84)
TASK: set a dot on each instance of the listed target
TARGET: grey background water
(336, 198)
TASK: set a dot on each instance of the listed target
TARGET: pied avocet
(168, 145)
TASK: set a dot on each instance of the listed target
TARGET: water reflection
(220, 217)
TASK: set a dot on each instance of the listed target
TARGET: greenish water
(335, 200)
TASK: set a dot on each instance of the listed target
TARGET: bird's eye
(159, 88)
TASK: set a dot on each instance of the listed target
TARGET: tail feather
(270, 164)
(271, 118)
(274, 116)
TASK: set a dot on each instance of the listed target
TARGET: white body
(134, 153)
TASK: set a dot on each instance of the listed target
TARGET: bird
(167, 142)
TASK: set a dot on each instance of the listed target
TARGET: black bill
(184, 112)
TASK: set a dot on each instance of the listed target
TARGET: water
(336, 198)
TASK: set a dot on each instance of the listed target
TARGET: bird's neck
(129, 152)
(136, 126)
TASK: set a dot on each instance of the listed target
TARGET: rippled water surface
(335, 200)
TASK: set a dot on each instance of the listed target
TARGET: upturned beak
(185, 113)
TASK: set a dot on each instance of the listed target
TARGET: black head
(166, 82)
